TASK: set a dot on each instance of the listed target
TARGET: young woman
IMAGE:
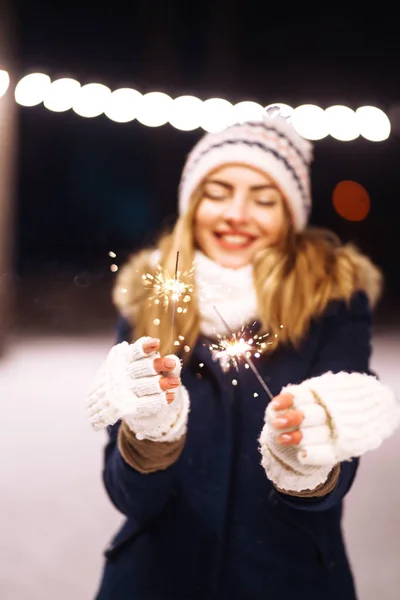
(228, 495)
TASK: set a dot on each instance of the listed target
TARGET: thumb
(176, 371)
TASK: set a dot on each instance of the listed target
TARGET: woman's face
(241, 212)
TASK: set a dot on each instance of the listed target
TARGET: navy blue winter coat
(212, 526)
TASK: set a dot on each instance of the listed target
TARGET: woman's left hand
(289, 418)
(312, 426)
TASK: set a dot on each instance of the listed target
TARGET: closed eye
(265, 202)
(215, 196)
(216, 191)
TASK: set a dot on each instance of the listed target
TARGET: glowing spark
(114, 268)
(174, 299)
(235, 348)
(169, 289)
(232, 350)
(112, 254)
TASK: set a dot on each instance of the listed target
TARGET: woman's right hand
(167, 367)
(138, 385)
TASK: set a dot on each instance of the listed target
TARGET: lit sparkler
(167, 289)
(175, 297)
(230, 351)
(170, 290)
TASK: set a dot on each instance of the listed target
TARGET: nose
(236, 211)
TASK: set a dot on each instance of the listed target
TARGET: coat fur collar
(128, 289)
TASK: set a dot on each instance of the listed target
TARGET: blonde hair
(294, 281)
(132, 298)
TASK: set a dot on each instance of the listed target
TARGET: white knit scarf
(231, 291)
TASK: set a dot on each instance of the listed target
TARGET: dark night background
(88, 186)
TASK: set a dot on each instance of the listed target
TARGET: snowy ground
(55, 518)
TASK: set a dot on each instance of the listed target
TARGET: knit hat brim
(273, 167)
(271, 146)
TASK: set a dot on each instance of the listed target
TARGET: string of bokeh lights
(188, 113)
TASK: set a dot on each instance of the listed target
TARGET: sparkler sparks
(114, 268)
(175, 297)
(231, 350)
(169, 289)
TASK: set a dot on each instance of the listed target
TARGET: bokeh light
(122, 105)
(279, 107)
(342, 123)
(4, 82)
(60, 95)
(310, 121)
(186, 113)
(373, 123)
(216, 114)
(351, 200)
(31, 89)
(154, 109)
(91, 100)
(247, 111)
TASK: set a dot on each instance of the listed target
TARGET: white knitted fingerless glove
(346, 415)
(127, 387)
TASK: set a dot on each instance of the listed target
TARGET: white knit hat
(271, 145)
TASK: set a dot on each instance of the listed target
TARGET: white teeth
(235, 239)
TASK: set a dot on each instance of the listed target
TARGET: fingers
(176, 371)
(313, 440)
(167, 367)
(284, 416)
(151, 345)
(290, 439)
(141, 348)
(170, 397)
(288, 419)
(308, 426)
(282, 402)
(144, 367)
(162, 365)
(323, 454)
(169, 383)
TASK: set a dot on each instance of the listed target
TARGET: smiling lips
(234, 240)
